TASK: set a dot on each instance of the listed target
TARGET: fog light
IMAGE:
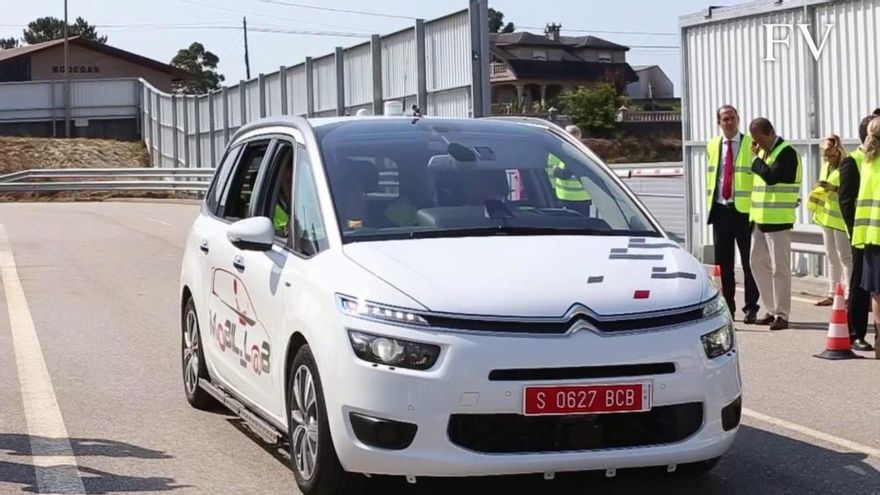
(730, 414)
(389, 351)
(382, 433)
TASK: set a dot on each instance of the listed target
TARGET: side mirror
(252, 234)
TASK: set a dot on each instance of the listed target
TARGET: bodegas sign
(76, 69)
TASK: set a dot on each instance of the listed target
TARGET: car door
(259, 274)
(208, 225)
(231, 309)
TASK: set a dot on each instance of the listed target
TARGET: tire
(696, 469)
(316, 473)
(193, 366)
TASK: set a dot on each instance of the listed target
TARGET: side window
(309, 235)
(240, 191)
(279, 192)
(221, 177)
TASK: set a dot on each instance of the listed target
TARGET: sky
(159, 28)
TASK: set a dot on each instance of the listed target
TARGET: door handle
(238, 263)
(204, 246)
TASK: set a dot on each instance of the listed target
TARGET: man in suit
(776, 195)
(729, 199)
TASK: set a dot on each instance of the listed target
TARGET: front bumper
(458, 389)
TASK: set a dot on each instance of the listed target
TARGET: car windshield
(400, 178)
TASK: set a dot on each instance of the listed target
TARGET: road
(99, 281)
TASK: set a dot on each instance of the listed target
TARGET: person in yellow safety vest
(569, 189)
(281, 214)
(859, 303)
(775, 198)
(837, 246)
(866, 228)
(729, 199)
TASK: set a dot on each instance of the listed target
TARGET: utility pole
(247, 63)
(66, 78)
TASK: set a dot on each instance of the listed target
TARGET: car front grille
(515, 433)
(559, 327)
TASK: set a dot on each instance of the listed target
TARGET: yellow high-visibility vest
(828, 213)
(742, 173)
(281, 219)
(866, 229)
(775, 204)
(566, 189)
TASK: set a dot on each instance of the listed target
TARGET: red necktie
(727, 184)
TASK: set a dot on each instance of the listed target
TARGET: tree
(6, 43)
(496, 22)
(51, 28)
(202, 64)
(593, 109)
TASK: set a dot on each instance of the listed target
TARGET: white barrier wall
(726, 61)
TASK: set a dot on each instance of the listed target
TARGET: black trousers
(859, 300)
(732, 230)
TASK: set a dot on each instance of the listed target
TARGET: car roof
(323, 122)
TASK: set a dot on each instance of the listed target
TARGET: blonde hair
(832, 141)
(872, 142)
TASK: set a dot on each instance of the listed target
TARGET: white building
(727, 60)
(653, 83)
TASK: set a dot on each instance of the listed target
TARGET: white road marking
(158, 221)
(793, 298)
(815, 434)
(53, 458)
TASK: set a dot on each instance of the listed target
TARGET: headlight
(373, 311)
(393, 352)
(719, 342)
(715, 306)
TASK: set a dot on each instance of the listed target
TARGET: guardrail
(107, 179)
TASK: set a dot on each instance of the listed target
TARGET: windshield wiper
(521, 231)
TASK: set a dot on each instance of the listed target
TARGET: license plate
(587, 399)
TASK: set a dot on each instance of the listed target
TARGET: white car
(439, 297)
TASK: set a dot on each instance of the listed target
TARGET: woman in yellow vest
(827, 214)
(866, 228)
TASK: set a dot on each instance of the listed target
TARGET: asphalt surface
(101, 283)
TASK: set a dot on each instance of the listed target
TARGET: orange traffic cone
(839, 346)
(716, 276)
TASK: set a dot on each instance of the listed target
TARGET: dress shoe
(861, 345)
(751, 317)
(779, 324)
(766, 320)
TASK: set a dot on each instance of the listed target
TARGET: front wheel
(315, 465)
(193, 360)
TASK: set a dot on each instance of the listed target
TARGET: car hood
(537, 276)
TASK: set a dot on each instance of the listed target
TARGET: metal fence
(440, 65)
(806, 97)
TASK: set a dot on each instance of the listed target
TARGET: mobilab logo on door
(782, 34)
